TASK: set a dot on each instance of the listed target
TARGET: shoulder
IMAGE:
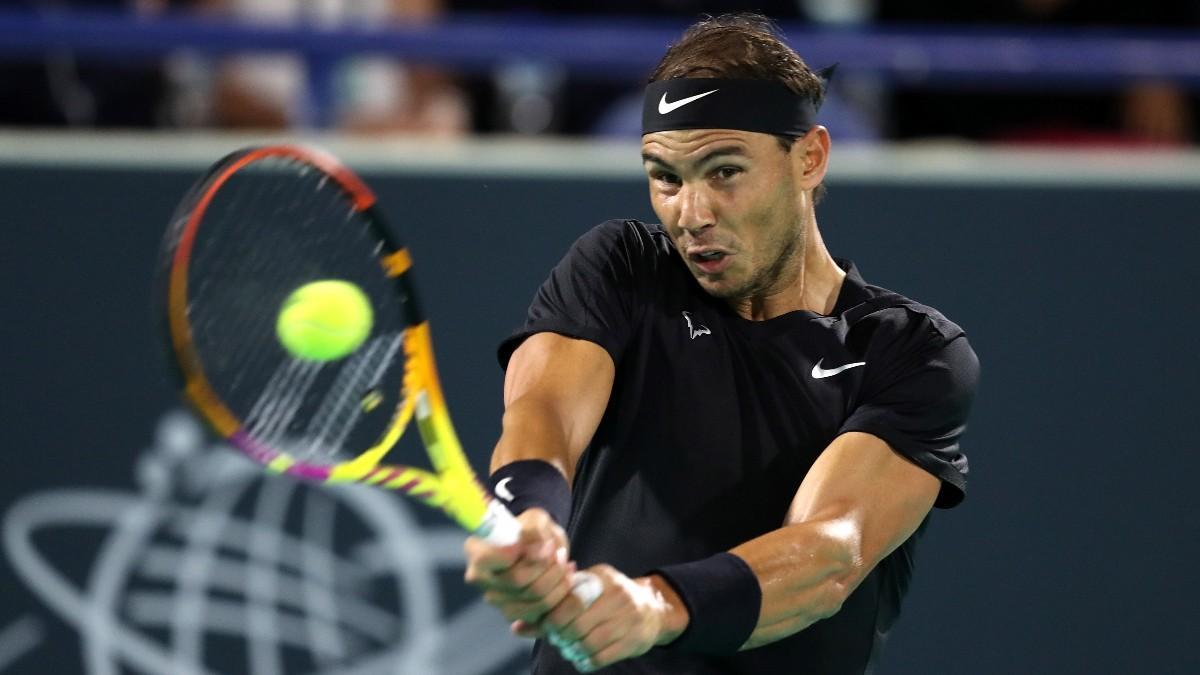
(894, 326)
(632, 238)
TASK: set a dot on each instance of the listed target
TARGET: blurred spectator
(540, 98)
(60, 89)
(1149, 112)
(369, 94)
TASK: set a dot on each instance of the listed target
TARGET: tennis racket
(261, 223)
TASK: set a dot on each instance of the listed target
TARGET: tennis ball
(324, 320)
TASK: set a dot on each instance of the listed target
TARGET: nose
(695, 212)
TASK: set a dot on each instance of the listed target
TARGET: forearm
(805, 571)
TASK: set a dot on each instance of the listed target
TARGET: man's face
(729, 201)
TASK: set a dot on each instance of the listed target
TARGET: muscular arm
(857, 504)
(555, 391)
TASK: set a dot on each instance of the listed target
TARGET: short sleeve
(590, 293)
(917, 399)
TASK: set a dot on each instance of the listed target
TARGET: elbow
(830, 598)
(845, 568)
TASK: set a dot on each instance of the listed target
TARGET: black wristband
(527, 483)
(723, 600)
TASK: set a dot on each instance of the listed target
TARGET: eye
(664, 177)
(728, 172)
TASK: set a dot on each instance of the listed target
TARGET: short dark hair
(741, 46)
(738, 46)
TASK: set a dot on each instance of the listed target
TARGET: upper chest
(705, 375)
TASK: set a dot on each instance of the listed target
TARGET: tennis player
(741, 437)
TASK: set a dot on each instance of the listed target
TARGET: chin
(718, 288)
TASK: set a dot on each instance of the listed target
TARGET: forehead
(683, 145)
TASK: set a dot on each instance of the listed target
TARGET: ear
(810, 158)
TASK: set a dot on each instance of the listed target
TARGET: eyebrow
(716, 153)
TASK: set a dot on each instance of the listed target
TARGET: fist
(527, 579)
(628, 618)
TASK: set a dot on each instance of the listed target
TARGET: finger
(572, 652)
(532, 611)
(551, 587)
(562, 615)
(532, 602)
(583, 620)
(541, 547)
(604, 635)
(520, 609)
(523, 574)
(484, 560)
(526, 629)
(539, 534)
(617, 651)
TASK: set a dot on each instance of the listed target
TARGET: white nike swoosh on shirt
(664, 107)
(820, 373)
(502, 490)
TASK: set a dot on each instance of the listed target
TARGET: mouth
(709, 260)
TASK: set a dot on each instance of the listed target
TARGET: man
(751, 433)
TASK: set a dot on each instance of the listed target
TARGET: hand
(629, 617)
(524, 580)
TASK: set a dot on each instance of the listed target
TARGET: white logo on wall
(217, 567)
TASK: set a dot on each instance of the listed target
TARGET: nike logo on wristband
(502, 490)
(665, 107)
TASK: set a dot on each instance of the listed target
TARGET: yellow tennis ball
(324, 320)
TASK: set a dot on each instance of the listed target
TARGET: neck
(813, 284)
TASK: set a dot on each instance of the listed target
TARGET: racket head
(258, 225)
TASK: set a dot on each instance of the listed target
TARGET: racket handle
(500, 528)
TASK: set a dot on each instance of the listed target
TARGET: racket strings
(281, 399)
(275, 225)
(354, 393)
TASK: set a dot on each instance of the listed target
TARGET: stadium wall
(1074, 275)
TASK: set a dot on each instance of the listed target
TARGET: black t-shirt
(714, 420)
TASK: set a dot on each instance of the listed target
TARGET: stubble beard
(773, 276)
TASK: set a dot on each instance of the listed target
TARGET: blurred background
(1027, 166)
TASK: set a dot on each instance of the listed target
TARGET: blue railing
(626, 49)
(621, 49)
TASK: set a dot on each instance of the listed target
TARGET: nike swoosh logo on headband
(664, 107)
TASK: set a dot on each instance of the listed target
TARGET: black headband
(764, 106)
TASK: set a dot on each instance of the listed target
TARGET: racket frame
(452, 486)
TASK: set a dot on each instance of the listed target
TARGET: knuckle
(560, 617)
(598, 638)
(530, 613)
(557, 594)
(523, 576)
(603, 570)
(538, 606)
(547, 584)
(568, 633)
